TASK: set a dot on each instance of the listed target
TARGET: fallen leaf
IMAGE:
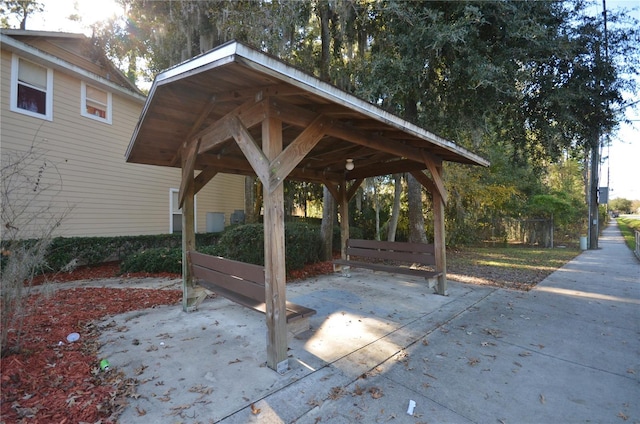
(623, 416)
(376, 393)
(542, 399)
(234, 361)
(336, 393)
(140, 369)
(141, 412)
(474, 361)
(254, 410)
(358, 391)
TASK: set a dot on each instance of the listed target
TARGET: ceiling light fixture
(349, 165)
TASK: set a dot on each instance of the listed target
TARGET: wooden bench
(379, 251)
(244, 284)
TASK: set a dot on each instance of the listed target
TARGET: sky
(620, 171)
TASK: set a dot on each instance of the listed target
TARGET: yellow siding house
(65, 98)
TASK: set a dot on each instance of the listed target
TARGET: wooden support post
(274, 254)
(439, 242)
(190, 297)
(343, 204)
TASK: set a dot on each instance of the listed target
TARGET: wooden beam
(225, 164)
(385, 168)
(274, 255)
(260, 92)
(353, 189)
(333, 189)
(298, 116)
(204, 177)
(189, 152)
(251, 150)
(435, 168)
(250, 114)
(439, 243)
(425, 181)
(289, 158)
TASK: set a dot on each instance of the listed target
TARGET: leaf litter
(51, 380)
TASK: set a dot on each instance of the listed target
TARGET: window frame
(179, 210)
(83, 104)
(13, 106)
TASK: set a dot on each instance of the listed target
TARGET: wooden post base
(195, 297)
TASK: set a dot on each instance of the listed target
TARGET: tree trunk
(324, 13)
(376, 201)
(250, 199)
(395, 211)
(416, 219)
(328, 217)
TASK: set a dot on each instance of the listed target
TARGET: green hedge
(162, 253)
(68, 252)
(245, 243)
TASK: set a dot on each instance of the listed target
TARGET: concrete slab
(568, 351)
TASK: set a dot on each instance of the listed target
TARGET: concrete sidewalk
(567, 351)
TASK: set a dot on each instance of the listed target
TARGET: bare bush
(29, 219)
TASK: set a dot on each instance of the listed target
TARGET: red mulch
(50, 380)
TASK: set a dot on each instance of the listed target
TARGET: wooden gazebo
(237, 110)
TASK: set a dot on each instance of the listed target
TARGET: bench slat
(390, 269)
(395, 255)
(294, 312)
(239, 282)
(243, 270)
(392, 245)
(404, 252)
(230, 282)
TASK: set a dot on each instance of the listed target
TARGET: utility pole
(594, 227)
(593, 190)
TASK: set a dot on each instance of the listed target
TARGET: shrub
(64, 253)
(246, 244)
(161, 259)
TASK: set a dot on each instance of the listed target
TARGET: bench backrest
(242, 278)
(392, 250)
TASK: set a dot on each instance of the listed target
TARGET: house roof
(204, 98)
(72, 53)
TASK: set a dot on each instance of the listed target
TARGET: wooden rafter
(259, 92)
(249, 114)
(287, 160)
(299, 116)
(204, 177)
(435, 174)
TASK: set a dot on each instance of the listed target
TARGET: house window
(31, 89)
(175, 212)
(95, 103)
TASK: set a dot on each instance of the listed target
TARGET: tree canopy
(531, 85)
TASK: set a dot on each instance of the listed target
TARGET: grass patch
(627, 227)
(510, 267)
